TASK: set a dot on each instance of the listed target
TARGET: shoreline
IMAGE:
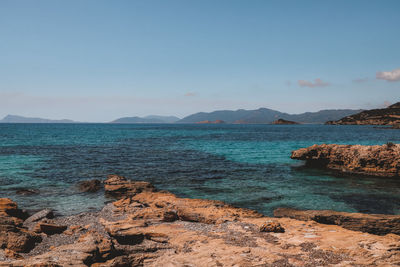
(148, 227)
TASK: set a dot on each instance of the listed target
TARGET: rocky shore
(384, 116)
(382, 161)
(148, 227)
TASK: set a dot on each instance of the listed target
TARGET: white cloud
(391, 76)
(317, 83)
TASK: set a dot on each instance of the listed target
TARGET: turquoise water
(246, 165)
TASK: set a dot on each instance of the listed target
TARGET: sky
(97, 60)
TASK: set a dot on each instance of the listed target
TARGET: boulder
(272, 227)
(378, 224)
(26, 191)
(10, 208)
(49, 228)
(90, 186)
(118, 186)
(19, 240)
(382, 161)
(12, 235)
(170, 216)
(85, 251)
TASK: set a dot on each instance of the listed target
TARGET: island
(284, 122)
(211, 122)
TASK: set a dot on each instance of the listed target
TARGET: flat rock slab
(49, 228)
(43, 214)
(377, 224)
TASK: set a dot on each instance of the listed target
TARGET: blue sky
(100, 60)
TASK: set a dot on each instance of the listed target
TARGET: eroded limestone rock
(383, 161)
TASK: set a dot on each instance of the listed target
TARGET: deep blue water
(246, 165)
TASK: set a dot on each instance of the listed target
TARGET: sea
(244, 165)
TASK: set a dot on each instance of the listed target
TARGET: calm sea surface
(246, 165)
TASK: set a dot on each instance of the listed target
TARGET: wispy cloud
(190, 94)
(360, 80)
(390, 76)
(317, 83)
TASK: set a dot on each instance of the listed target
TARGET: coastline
(148, 227)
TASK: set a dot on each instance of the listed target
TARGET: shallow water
(246, 165)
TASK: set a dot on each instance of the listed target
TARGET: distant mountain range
(147, 119)
(241, 116)
(383, 116)
(265, 115)
(20, 119)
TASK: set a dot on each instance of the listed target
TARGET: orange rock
(134, 232)
(378, 224)
(118, 186)
(12, 254)
(273, 227)
(10, 208)
(383, 161)
(12, 235)
(49, 228)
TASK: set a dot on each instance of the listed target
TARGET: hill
(21, 119)
(265, 115)
(384, 116)
(165, 119)
(147, 119)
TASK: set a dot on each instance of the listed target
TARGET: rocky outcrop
(382, 161)
(26, 191)
(90, 186)
(13, 235)
(154, 228)
(284, 122)
(118, 186)
(377, 224)
(9, 208)
(384, 116)
(49, 228)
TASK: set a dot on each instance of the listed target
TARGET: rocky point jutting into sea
(383, 116)
(383, 161)
(148, 227)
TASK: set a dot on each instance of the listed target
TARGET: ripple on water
(246, 165)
